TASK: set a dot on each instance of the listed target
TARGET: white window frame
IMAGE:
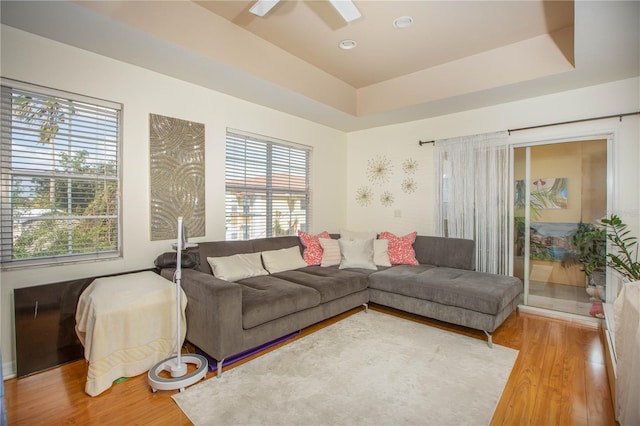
(254, 165)
(18, 162)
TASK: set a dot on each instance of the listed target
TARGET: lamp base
(179, 379)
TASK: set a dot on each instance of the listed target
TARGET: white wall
(397, 142)
(37, 60)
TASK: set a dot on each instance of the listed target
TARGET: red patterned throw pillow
(312, 248)
(401, 250)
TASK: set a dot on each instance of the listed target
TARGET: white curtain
(472, 197)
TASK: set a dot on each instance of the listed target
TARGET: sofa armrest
(448, 252)
(214, 313)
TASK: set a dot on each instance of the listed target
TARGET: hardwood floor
(559, 378)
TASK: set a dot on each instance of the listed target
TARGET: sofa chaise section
(445, 287)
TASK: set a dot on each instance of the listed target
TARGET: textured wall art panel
(176, 154)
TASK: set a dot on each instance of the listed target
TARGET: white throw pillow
(330, 251)
(283, 260)
(356, 254)
(380, 247)
(381, 252)
(237, 267)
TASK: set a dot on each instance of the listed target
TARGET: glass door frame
(528, 143)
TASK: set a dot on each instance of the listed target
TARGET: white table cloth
(127, 324)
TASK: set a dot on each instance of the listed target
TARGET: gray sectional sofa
(226, 318)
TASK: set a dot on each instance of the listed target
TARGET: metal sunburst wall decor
(386, 198)
(364, 196)
(410, 166)
(379, 170)
(409, 185)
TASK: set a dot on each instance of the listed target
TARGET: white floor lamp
(177, 365)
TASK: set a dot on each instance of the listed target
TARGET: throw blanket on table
(127, 324)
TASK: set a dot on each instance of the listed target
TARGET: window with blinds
(60, 180)
(267, 187)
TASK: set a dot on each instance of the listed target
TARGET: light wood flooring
(559, 378)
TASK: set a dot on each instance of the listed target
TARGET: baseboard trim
(9, 370)
(592, 322)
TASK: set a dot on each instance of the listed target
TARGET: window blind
(267, 187)
(60, 176)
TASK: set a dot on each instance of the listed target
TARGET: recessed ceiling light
(403, 22)
(347, 44)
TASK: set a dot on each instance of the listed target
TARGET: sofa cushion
(237, 267)
(330, 283)
(451, 252)
(476, 291)
(312, 248)
(330, 251)
(381, 252)
(268, 297)
(283, 259)
(380, 247)
(401, 250)
(220, 249)
(356, 254)
(357, 235)
(276, 243)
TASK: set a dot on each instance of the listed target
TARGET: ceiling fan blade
(346, 9)
(262, 7)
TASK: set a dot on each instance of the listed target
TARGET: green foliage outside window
(62, 164)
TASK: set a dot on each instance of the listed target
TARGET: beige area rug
(368, 369)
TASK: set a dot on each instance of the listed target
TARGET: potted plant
(624, 259)
(590, 244)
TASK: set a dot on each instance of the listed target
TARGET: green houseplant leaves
(625, 258)
(590, 242)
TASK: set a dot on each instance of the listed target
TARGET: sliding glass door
(560, 192)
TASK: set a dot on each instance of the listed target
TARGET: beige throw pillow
(283, 260)
(330, 252)
(237, 267)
